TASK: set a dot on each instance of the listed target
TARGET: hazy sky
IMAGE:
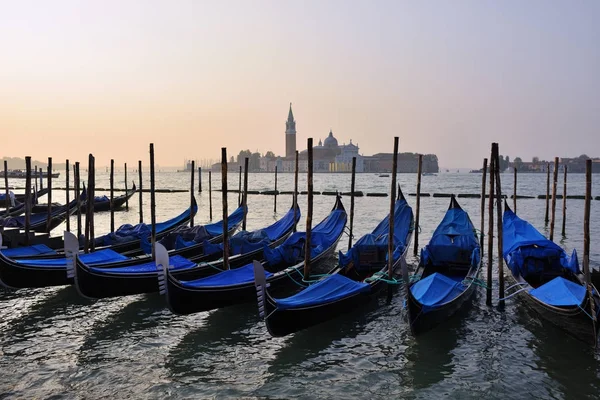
(447, 77)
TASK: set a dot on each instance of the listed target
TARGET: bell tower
(290, 134)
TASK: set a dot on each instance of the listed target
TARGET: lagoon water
(54, 343)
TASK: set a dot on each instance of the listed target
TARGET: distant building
(290, 134)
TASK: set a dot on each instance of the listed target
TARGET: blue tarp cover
(176, 263)
(185, 236)
(453, 241)
(527, 251)
(330, 289)
(560, 292)
(97, 257)
(127, 232)
(26, 251)
(322, 237)
(245, 242)
(234, 276)
(437, 289)
(378, 239)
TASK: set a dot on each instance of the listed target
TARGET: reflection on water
(54, 343)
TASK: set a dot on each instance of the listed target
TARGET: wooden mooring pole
(515, 191)
(210, 194)
(564, 213)
(296, 192)
(546, 219)
(152, 200)
(490, 260)
(482, 219)
(586, 243)
(27, 198)
(126, 197)
(199, 179)
(245, 197)
(554, 184)
(392, 209)
(49, 217)
(499, 225)
(352, 184)
(309, 211)
(68, 195)
(7, 192)
(240, 187)
(224, 197)
(112, 195)
(78, 197)
(192, 193)
(141, 191)
(275, 193)
(418, 213)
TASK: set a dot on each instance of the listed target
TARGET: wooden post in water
(192, 194)
(564, 219)
(126, 197)
(352, 184)
(554, 183)
(224, 197)
(490, 261)
(295, 190)
(27, 198)
(68, 195)
(240, 187)
(140, 191)
(35, 183)
(210, 194)
(7, 199)
(275, 193)
(500, 228)
(49, 217)
(309, 211)
(152, 199)
(89, 208)
(515, 191)
(41, 180)
(92, 201)
(392, 209)
(547, 192)
(417, 216)
(482, 225)
(586, 242)
(245, 197)
(78, 198)
(112, 195)
(199, 179)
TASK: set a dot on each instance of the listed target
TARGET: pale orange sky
(448, 77)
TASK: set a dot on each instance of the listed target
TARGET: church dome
(330, 141)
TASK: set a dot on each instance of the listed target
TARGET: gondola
(548, 280)
(43, 271)
(284, 265)
(39, 222)
(102, 203)
(447, 270)
(360, 275)
(97, 282)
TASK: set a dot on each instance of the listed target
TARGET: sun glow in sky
(447, 77)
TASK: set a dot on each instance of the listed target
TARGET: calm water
(55, 344)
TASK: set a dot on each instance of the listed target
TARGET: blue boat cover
(325, 234)
(560, 292)
(436, 290)
(176, 263)
(185, 236)
(528, 252)
(245, 242)
(378, 239)
(97, 257)
(328, 290)
(453, 241)
(234, 276)
(27, 251)
(127, 232)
